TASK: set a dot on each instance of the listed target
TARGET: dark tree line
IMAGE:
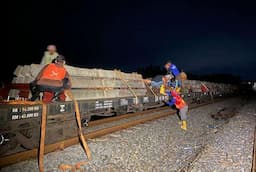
(218, 78)
(151, 71)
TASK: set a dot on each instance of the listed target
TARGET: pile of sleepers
(90, 84)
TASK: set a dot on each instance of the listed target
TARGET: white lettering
(14, 109)
(14, 117)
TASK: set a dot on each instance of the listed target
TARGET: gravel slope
(162, 146)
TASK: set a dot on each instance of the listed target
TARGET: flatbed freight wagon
(99, 93)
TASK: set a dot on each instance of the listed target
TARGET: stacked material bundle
(192, 85)
(91, 83)
(215, 88)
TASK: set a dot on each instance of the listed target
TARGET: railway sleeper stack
(88, 84)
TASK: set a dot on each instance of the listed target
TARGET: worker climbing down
(180, 104)
(172, 69)
(52, 78)
(157, 81)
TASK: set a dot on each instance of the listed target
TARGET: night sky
(200, 37)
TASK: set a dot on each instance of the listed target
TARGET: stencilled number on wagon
(36, 108)
(104, 104)
(28, 109)
(15, 117)
(108, 103)
(15, 109)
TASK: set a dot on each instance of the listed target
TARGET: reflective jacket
(176, 100)
(174, 70)
(54, 72)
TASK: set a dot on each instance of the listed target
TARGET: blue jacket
(174, 70)
(172, 100)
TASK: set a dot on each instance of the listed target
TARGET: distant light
(249, 83)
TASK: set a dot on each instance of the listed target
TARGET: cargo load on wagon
(88, 84)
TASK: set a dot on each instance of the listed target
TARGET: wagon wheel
(86, 119)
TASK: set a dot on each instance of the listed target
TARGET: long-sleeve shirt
(48, 58)
(174, 70)
(172, 101)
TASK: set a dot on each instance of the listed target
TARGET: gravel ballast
(231, 150)
(207, 145)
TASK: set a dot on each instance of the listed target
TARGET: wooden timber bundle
(90, 84)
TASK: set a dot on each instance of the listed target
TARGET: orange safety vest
(179, 103)
(54, 72)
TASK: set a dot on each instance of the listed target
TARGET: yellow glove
(178, 90)
(162, 90)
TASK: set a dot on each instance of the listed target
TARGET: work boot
(184, 125)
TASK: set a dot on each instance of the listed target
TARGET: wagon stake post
(42, 139)
(78, 119)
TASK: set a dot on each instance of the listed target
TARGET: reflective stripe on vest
(54, 72)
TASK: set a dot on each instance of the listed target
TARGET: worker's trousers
(183, 113)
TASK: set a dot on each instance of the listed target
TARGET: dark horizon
(200, 37)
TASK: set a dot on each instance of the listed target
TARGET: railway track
(125, 116)
(155, 114)
(254, 153)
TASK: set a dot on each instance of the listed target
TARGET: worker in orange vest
(52, 78)
(180, 104)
